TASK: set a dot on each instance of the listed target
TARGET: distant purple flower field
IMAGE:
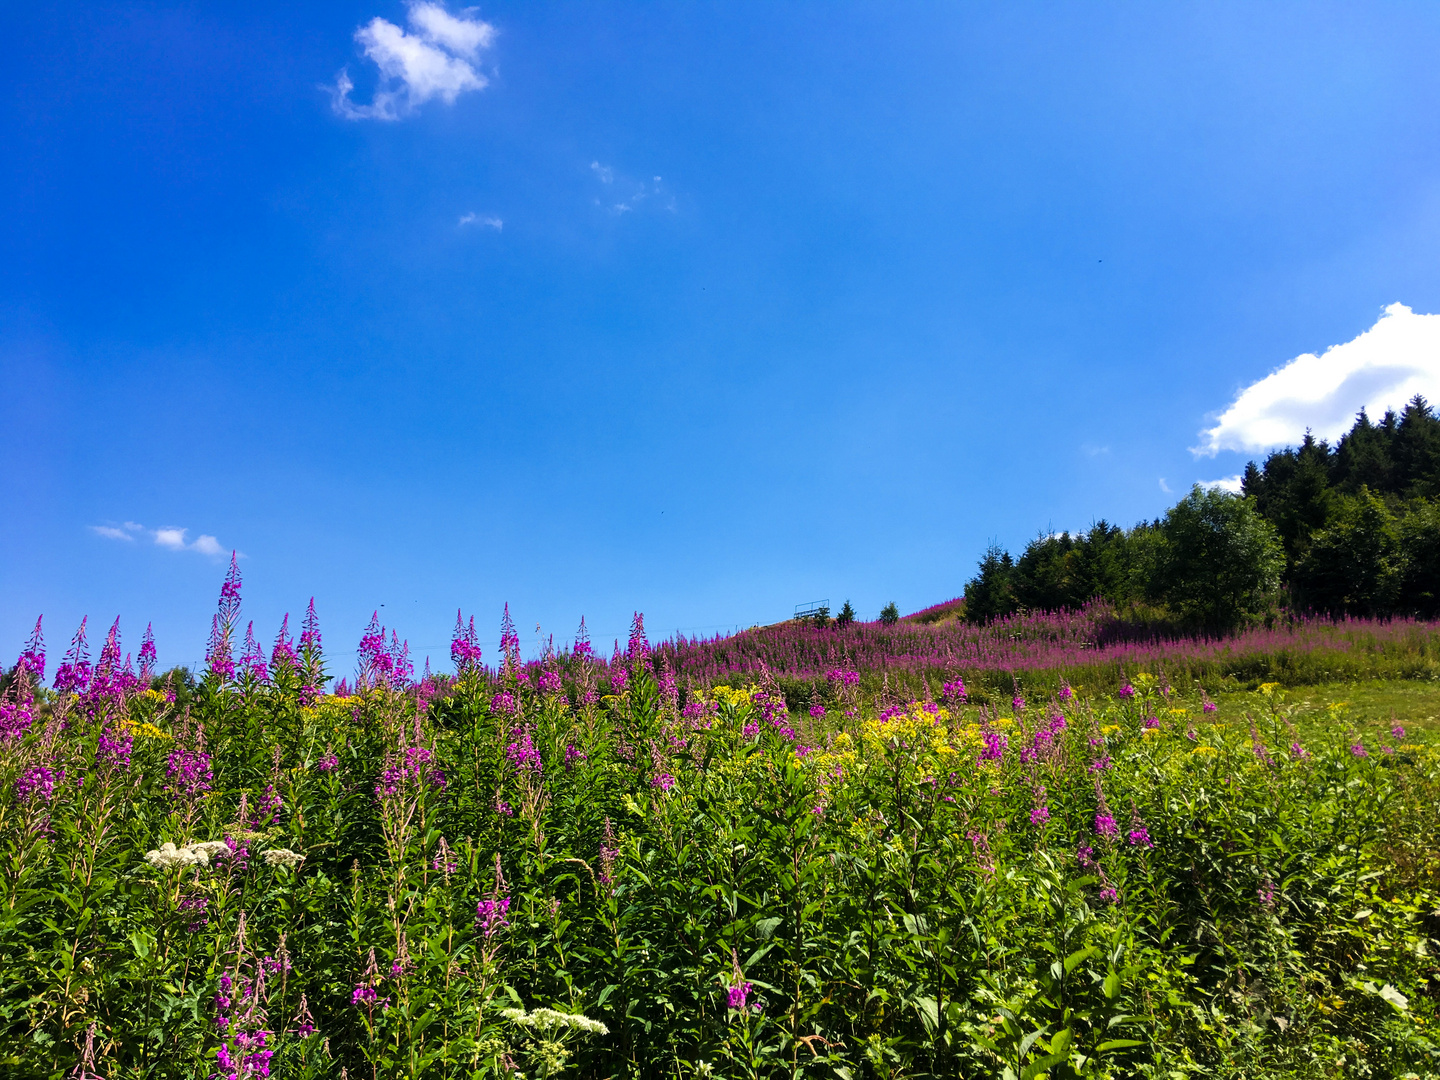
(1060, 644)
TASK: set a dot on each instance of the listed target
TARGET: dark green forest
(1352, 529)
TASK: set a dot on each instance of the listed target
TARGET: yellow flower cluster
(144, 730)
(732, 695)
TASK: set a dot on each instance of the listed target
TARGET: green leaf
(1035, 1068)
(1079, 956)
(1029, 1041)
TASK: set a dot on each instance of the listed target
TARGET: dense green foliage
(1124, 886)
(1349, 530)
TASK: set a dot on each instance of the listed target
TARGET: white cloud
(1381, 369)
(463, 36)
(1164, 486)
(174, 539)
(169, 537)
(1228, 483)
(472, 218)
(437, 59)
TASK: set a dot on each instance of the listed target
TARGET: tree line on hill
(1352, 529)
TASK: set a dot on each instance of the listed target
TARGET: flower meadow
(573, 865)
(1091, 646)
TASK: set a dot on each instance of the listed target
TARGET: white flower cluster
(200, 854)
(283, 857)
(549, 1019)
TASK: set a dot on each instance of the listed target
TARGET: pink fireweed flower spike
(230, 596)
(582, 647)
(252, 657)
(637, 651)
(33, 658)
(148, 659)
(283, 656)
(73, 674)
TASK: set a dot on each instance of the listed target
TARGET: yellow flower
(144, 730)
(1268, 688)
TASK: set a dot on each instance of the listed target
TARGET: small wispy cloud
(169, 537)
(439, 58)
(483, 221)
(1232, 484)
(1380, 369)
(622, 195)
(1164, 486)
(110, 532)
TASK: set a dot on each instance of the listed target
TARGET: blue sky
(698, 309)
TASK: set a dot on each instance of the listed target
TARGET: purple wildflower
(491, 915)
(230, 596)
(995, 744)
(609, 853)
(465, 646)
(737, 996)
(187, 774)
(36, 783)
(283, 656)
(33, 658)
(73, 674)
(521, 753)
(637, 650)
(252, 658)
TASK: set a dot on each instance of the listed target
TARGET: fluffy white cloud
(437, 59)
(169, 537)
(472, 218)
(1228, 483)
(1381, 369)
(174, 539)
(463, 36)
